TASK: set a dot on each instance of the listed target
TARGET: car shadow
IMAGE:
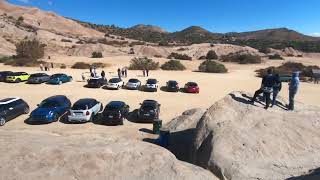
(145, 130)
(133, 117)
(27, 121)
(163, 88)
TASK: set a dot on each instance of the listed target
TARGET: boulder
(38, 155)
(238, 140)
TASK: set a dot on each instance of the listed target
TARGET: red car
(192, 87)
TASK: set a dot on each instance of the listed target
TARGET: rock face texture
(37, 155)
(238, 140)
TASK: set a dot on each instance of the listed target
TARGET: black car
(96, 82)
(11, 108)
(115, 112)
(3, 75)
(172, 86)
(38, 78)
(149, 111)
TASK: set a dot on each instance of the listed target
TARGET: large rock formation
(238, 140)
(38, 155)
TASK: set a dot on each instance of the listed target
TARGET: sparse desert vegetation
(143, 63)
(96, 55)
(241, 58)
(179, 56)
(212, 55)
(212, 67)
(275, 57)
(173, 65)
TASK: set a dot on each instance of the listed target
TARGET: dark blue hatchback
(50, 109)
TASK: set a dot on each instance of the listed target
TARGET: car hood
(42, 111)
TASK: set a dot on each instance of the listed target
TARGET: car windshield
(55, 76)
(37, 75)
(80, 106)
(191, 84)
(49, 104)
(112, 108)
(172, 83)
(133, 80)
(151, 81)
(115, 80)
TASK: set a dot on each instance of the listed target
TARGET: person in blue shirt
(276, 89)
(293, 89)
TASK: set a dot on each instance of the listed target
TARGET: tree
(96, 55)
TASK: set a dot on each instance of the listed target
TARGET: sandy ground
(212, 88)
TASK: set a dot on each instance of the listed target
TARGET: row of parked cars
(84, 110)
(37, 78)
(136, 84)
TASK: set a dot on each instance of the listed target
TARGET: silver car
(133, 84)
(84, 110)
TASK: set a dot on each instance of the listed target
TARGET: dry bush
(241, 58)
(173, 65)
(212, 67)
(143, 63)
(179, 56)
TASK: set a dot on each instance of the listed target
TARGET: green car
(17, 77)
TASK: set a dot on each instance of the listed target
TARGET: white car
(84, 110)
(151, 85)
(133, 84)
(115, 83)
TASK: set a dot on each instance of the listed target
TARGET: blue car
(50, 109)
(59, 79)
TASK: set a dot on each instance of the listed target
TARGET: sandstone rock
(38, 155)
(238, 140)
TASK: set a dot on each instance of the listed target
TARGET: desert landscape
(215, 134)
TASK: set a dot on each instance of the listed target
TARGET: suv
(3, 75)
(115, 83)
(50, 109)
(151, 85)
(17, 77)
(149, 111)
(96, 82)
(84, 110)
(38, 78)
(11, 108)
(172, 86)
(115, 112)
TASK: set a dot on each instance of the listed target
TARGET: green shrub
(63, 66)
(212, 55)
(143, 63)
(212, 67)
(6, 59)
(173, 65)
(30, 50)
(276, 57)
(96, 55)
(241, 58)
(289, 67)
(80, 65)
(179, 56)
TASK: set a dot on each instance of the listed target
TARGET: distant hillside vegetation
(270, 38)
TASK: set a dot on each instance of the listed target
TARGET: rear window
(151, 81)
(38, 75)
(84, 104)
(172, 83)
(192, 84)
(50, 104)
(56, 75)
(148, 107)
(115, 80)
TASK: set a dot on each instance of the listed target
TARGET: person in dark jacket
(276, 89)
(103, 74)
(266, 88)
(119, 73)
(293, 89)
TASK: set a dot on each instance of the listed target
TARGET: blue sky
(174, 15)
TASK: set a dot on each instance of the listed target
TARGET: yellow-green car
(17, 77)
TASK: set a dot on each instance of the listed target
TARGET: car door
(11, 111)
(7, 114)
(24, 76)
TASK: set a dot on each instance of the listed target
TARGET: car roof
(193, 83)
(8, 100)
(39, 74)
(5, 72)
(116, 104)
(172, 81)
(58, 74)
(85, 101)
(133, 79)
(56, 98)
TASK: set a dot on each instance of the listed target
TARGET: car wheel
(26, 110)
(55, 117)
(18, 80)
(60, 82)
(91, 118)
(2, 122)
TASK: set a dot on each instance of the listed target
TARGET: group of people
(122, 72)
(45, 67)
(145, 72)
(271, 84)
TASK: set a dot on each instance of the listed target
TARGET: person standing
(51, 65)
(90, 69)
(147, 72)
(293, 89)
(125, 72)
(144, 72)
(119, 73)
(276, 89)
(41, 67)
(266, 88)
(103, 74)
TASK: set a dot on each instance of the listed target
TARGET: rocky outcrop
(238, 140)
(289, 51)
(38, 155)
